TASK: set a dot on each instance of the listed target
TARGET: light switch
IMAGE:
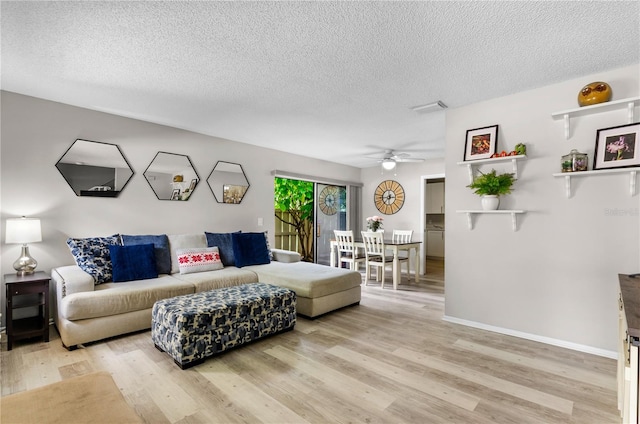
(260, 222)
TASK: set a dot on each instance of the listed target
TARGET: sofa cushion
(250, 249)
(183, 241)
(198, 260)
(136, 262)
(93, 257)
(307, 279)
(211, 280)
(119, 298)
(225, 246)
(161, 246)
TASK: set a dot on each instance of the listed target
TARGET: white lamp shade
(388, 164)
(23, 230)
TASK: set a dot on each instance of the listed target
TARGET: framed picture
(176, 194)
(481, 143)
(193, 184)
(617, 147)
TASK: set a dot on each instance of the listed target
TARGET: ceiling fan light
(388, 164)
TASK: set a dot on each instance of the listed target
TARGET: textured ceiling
(330, 80)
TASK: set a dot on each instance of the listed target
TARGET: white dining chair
(375, 255)
(403, 236)
(347, 250)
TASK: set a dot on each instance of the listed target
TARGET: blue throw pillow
(161, 248)
(250, 249)
(137, 262)
(225, 246)
(92, 255)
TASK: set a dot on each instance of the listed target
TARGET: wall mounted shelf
(633, 172)
(513, 213)
(629, 103)
(513, 159)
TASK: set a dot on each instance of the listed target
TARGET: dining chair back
(402, 236)
(375, 255)
(347, 250)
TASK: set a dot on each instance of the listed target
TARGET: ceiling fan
(390, 158)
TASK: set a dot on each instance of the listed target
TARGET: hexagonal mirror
(172, 176)
(228, 183)
(95, 169)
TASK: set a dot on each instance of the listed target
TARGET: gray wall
(35, 134)
(555, 279)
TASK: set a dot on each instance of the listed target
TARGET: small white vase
(490, 202)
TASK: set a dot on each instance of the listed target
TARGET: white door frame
(423, 224)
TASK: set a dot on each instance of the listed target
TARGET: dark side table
(27, 291)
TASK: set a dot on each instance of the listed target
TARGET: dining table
(395, 248)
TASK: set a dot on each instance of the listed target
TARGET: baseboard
(546, 340)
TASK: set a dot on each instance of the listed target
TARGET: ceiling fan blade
(409, 160)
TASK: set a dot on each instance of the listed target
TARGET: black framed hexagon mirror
(228, 182)
(95, 169)
(172, 176)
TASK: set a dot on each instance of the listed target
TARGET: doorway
(433, 226)
(306, 215)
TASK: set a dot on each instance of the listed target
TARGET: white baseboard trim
(547, 340)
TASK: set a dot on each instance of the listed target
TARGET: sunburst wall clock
(389, 197)
(329, 200)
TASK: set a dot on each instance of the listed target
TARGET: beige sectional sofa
(85, 312)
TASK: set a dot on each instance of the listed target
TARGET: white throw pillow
(184, 241)
(198, 259)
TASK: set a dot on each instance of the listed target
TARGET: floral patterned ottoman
(196, 326)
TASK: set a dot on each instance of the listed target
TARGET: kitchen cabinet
(435, 243)
(628, 343)
(435, 197)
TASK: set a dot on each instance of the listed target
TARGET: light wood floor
(389, 360)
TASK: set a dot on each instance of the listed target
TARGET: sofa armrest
(286, 256)
(71, 279)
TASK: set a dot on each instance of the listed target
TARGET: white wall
(410, 176)
(555, 279)
(36, 133)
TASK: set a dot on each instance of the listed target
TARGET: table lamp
(23, 230)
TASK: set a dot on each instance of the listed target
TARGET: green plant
(492, 183)
(296, 198)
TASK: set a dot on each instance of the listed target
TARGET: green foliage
(296, 198)
(492, 184)
(294, 195)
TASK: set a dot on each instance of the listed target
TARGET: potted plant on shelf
(491, 186)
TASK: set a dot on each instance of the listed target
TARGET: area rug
(91, 398)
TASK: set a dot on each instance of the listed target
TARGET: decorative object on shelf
(521, 149)
(574, 161)
(228, 182)
(388, 197)
(594, 93)
(22, 231)
(491, 186)
(329, 198)
(481, 143)
(95, 169)
(617, 147)
(374, 223)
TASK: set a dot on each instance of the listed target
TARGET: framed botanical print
(617, 147)
(481, 143)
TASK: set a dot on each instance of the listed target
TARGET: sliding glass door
(330, 215)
